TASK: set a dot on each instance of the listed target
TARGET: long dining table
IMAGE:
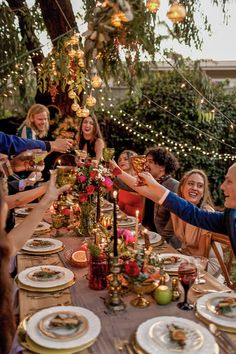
(116, 326)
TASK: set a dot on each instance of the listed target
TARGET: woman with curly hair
(36, 124)
(90, 138)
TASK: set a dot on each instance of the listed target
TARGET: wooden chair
(225, 267)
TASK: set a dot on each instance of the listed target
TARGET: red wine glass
(187, 274)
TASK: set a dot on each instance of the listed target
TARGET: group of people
(182, 211)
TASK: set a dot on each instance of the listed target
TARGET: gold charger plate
(27, 343)
(223, 328)
(44, 290)
(43, 253)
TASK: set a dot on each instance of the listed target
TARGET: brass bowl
(145, 288)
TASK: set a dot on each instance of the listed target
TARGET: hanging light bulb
(96, 81)
(82, 112)
(153, 5)
(71, 94)
(176, 12)
(90, 101)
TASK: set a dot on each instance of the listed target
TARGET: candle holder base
(114, 306)
(140, 302)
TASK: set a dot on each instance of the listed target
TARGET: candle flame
(137, 213)
(59, 162)
(115, 194)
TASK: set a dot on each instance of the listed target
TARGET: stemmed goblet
(138, 163)
(108, 154)
(187, 274)
(201, 264)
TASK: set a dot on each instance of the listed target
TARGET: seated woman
(9, 244)
(90, 138)
(194, 188)
(129, 201)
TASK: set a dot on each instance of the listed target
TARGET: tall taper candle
(98, 206)
(136, 229)
(115, 250)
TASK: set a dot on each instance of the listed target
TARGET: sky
(219, 46)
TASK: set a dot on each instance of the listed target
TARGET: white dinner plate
(153, 337)
(202, 307)
(173, 267)
(33, 245)
(26, 277)
(128, 222)
(23, 211)
(42, 226)
(153, 238)
(33, 331)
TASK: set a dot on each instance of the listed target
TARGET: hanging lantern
(122, 16)
(153, 5)
(75, 107)
(82, 112)
(90, 101)
(96, 81)
(71, 94)
(116, 21)
(176, 12)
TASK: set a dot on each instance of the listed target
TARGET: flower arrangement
(89, 181)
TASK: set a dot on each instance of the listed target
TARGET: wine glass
(57, 223)
(201, 264)
(138, 163)
(81, 155)
(187, 274)
(108, 154)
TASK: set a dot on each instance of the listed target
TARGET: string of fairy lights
(155, 137)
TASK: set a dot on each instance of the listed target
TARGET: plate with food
(128, 221)
(171, 261)
(63, 325)
(23, 211)
(48, 327)
(42, 227)
(223, 306)
(45, 276)
(106, 206)
(207, 307)
(153, 238)
(36, 245)
(169, 334)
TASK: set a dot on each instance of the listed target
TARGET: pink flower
(127, 235)
(83, 197)
(81, 179)
(90, 189)
(107, 183)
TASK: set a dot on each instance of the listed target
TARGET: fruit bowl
(144, 288)
(76, 258)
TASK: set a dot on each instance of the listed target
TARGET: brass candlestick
(114, 302)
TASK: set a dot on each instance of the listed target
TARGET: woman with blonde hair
(90, 137)
(36, 124)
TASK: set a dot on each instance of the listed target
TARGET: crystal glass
(57, 222)
(187, 274)
(201, 264)
(65, 175)
(98, 271)
(138, 163)
(81, 156)
(108, 154)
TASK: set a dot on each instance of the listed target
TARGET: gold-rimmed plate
(43, 290)
(171, 261)
(41, 244)
(63, 325)
(229, 312)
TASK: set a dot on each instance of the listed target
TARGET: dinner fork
(224, 340)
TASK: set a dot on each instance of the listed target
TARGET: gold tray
(43, 253)
(27, 343)
(43, 290)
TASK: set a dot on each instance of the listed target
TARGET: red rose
(90, 189)
(83, 197)
(117, 171)
(81, 179)
(93, 174)
(131, 268)
(66, 212)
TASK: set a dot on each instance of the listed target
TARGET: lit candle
(115, 250)
(52, 209)
(136, 229)
(98, 206)
(59, 162)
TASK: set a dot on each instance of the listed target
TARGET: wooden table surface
(114, 325)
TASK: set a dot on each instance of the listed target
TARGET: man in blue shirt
(13, 145)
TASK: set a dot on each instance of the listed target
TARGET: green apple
(163, 295)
